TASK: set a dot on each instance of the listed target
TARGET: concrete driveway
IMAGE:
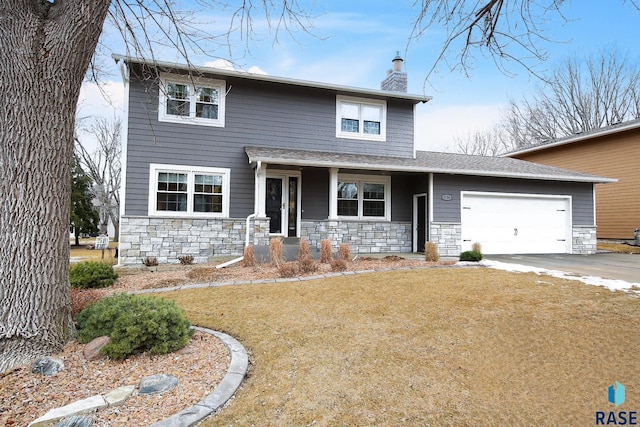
(606, 265)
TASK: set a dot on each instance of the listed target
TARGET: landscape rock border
(236, 372)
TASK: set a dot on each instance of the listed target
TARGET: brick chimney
(396, 80)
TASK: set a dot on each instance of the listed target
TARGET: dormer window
(360, 118)
(192, 101)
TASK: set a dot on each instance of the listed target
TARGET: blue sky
(353, 43)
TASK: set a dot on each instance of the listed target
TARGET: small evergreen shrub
(344, 252)
(325, 251)
(470, 256)
(135, 324)
(338, 265)
(91, 274)
(275, 251)
(431, 252)
(249, 257)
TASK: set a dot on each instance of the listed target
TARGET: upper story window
(361, 118)
(184, 191)
(364, 196)
(185, 100)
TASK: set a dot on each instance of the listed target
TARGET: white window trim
(155, 169)
(219, 85)
(361, 135)
(365, 179)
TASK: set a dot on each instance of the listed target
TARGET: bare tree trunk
(45, 49)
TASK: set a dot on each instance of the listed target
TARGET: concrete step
(289, 252)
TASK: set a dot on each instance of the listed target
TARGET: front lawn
(442, 346)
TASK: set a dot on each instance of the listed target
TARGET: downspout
(248, 221)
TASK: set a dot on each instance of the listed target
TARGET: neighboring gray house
(208, 152)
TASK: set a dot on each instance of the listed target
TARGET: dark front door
(274, 204)
(421, 223)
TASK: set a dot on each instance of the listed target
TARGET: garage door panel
(515, 223)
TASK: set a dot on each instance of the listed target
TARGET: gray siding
(449, 211)
(257, 114)
(315, 194)
(403, 187)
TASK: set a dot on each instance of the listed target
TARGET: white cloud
(436, 126)
(221, 64)
(104, 100)
(257, 70)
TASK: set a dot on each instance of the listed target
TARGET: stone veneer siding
(168, 238)
(448, 238)
(363, 237)
(584, 241)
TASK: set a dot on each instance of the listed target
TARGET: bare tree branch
(508, 31)
(103, 166)
(580, 95)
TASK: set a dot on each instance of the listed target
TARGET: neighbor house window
(364, 196)
(360, 118)
(184, 191)
(197, 101)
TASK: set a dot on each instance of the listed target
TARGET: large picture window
(360, 118)
(197, 101)
(364, 196)
(183, 191)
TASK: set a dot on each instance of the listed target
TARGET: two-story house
(217, 159)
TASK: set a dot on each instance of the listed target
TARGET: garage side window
(181, 191)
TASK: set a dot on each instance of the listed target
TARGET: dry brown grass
(618, 248)
(83, 253)
(304, 250)
(325, 251)
(249, 256)
(431, 252)
(275, 251)
(344, 252)
(443, 346)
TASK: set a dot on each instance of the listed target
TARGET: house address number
(447, 197)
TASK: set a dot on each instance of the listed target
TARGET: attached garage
(511, 223)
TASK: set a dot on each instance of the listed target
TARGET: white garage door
(516, 224)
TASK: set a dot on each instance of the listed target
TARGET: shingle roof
(425, 161)
(415, 98)
(584, 136)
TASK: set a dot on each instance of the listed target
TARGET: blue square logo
(616, 394)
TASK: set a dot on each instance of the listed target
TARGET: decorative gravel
(199, 367)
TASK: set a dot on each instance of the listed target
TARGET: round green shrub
(91, 274)
(135, 324)
(470, 256)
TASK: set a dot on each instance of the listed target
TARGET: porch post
(333, 193)
(260, 189)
